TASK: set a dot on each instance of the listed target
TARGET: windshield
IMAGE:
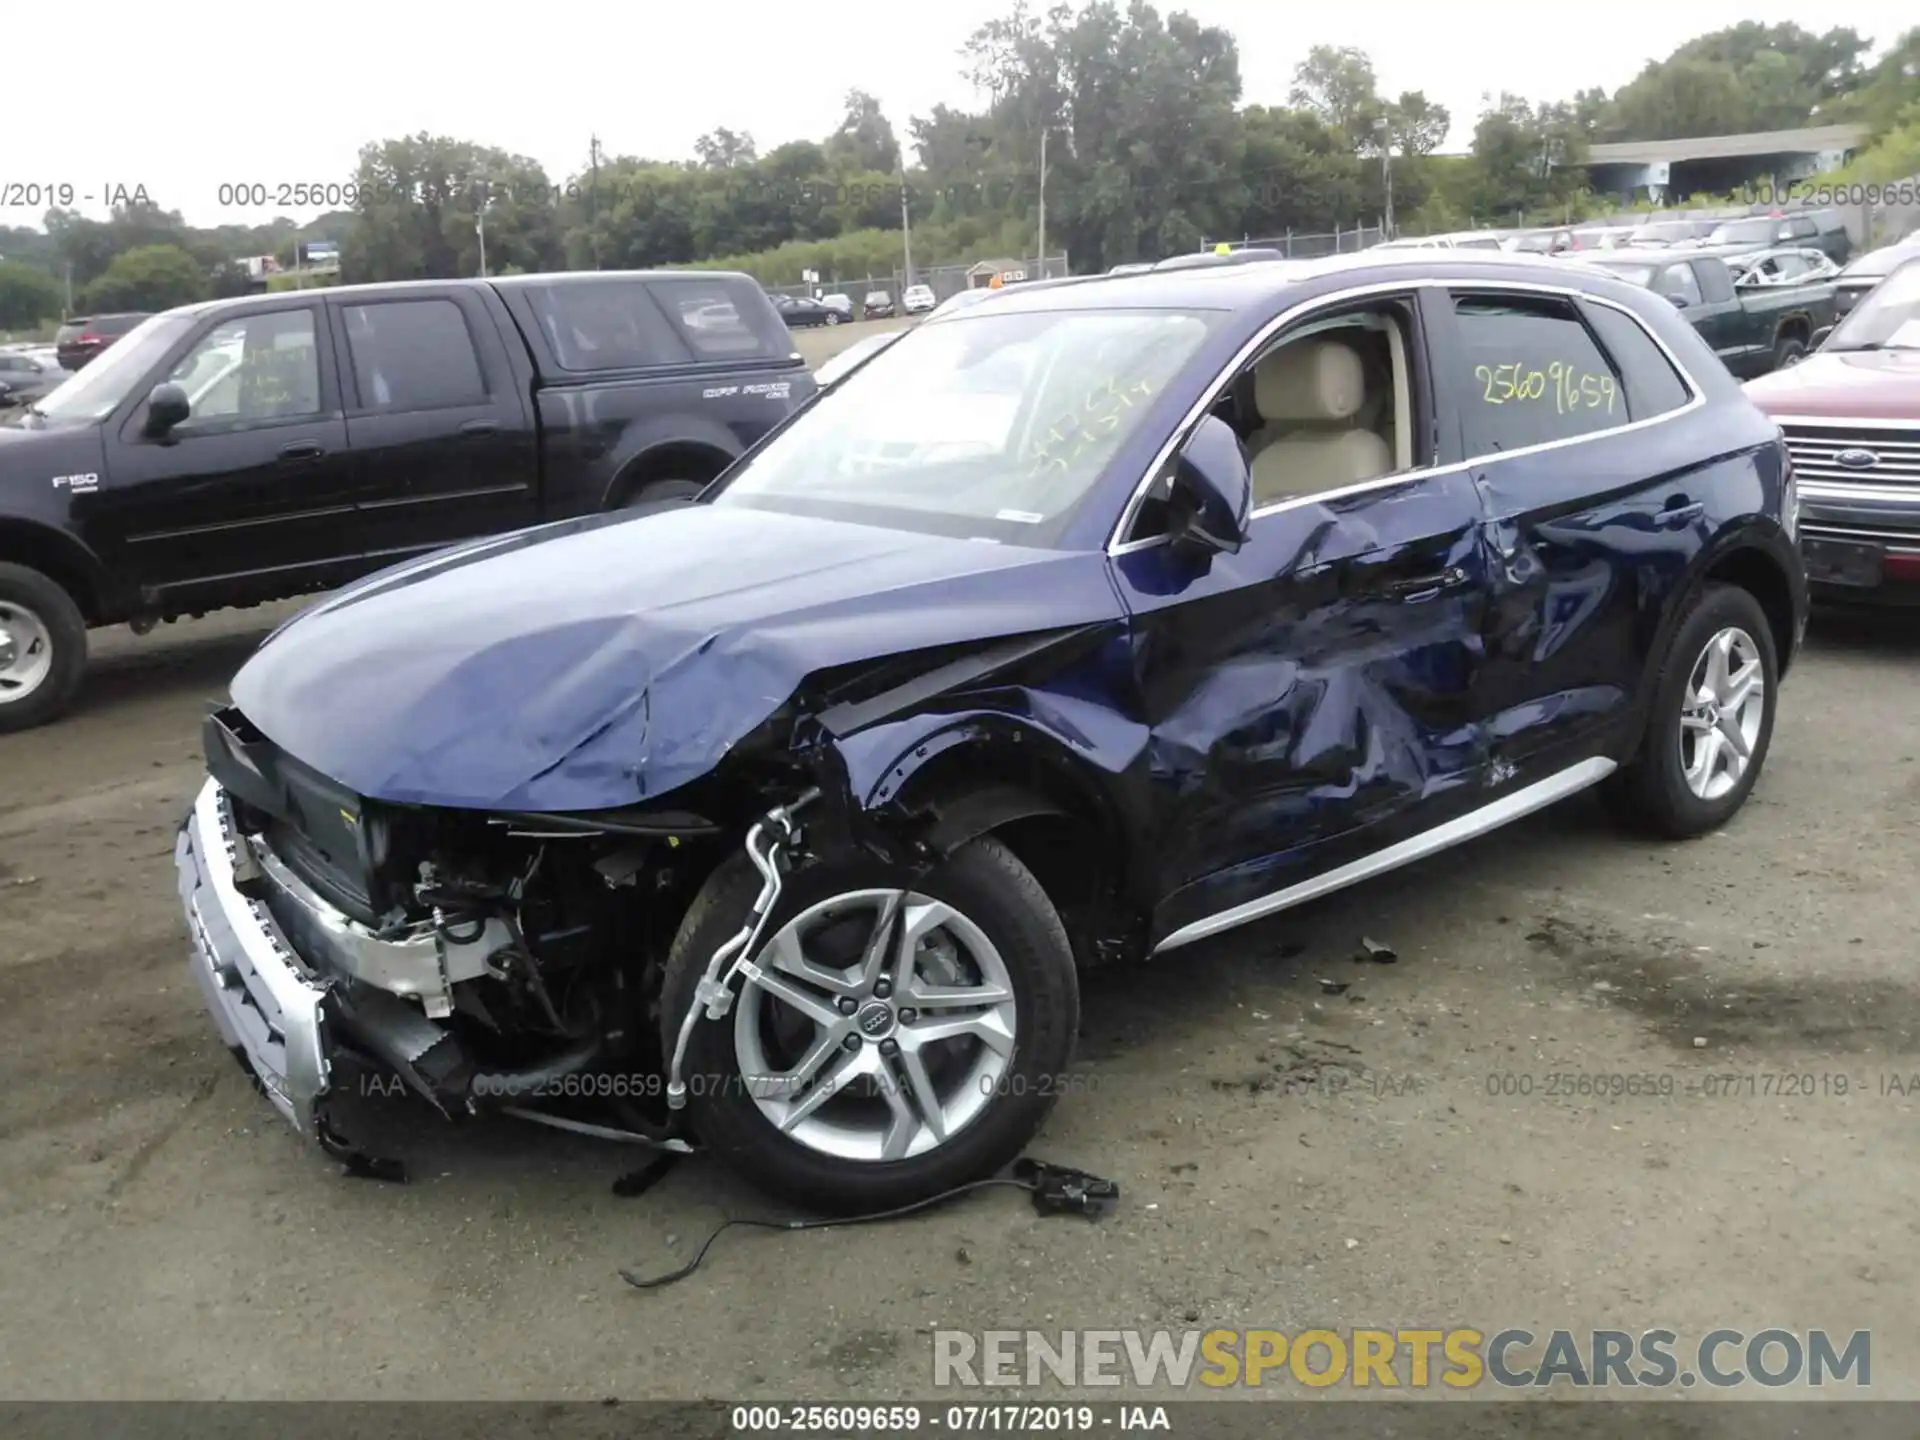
(93, 393)
(1887, 318)
(993, 425)
(1741, 232)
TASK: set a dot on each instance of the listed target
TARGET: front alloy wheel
(899, 1035)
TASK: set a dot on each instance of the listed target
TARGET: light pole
(1385, 126)
(1043, 201)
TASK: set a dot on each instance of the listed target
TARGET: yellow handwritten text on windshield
(1080, 429)
(1568, 386)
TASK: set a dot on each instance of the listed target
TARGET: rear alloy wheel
(903, 1035)
(833, 317)
(1791, 350)
(43, 648)
(1711, 723)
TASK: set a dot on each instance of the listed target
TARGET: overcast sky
(184, 99)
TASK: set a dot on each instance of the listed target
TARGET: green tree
(725, 149)
(1337, 85)
(421, 198)
(865, 139)
(149, 277)
(28, 295)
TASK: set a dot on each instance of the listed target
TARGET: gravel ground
(1290, 1157)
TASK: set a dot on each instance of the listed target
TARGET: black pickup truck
(248, 450)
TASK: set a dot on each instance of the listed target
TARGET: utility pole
(1043, 202)
(480, 224)
(906, 223)
(593, 197)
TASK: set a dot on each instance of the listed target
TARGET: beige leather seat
(1309, 394)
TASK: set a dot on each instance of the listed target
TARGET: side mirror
(1212, 491)
(167, 406)
(1820, 337)
(1679, 301)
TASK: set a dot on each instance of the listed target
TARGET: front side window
(1678, 280)
(994, 425)
(413, 355)
(251, 371)
(1532, 373)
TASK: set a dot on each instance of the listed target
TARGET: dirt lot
(1289, 1157)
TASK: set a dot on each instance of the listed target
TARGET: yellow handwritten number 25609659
(1570, 387)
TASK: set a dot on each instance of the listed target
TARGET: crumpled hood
(601, 662)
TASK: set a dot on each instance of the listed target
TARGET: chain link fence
(1306, 245)
(944, 280)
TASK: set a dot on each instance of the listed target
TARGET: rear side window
(1653, 386)
(1716, 282)
(1532, 373)
(723, 319)
(611, 324)
(413, 355)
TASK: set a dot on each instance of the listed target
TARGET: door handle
(1680, 512)
(302, 450)
(1425, 587)
(480, 427)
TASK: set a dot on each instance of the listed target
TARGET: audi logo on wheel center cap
(1857, 459)
(875, 1019)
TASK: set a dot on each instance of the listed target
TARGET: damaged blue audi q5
(1080, 625)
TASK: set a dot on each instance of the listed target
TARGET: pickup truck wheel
(43, 648)
(1710, 723)
(1790, 350)
(907, 1033)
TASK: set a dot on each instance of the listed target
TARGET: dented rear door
(1554, 396)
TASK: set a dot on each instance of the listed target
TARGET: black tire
(1788, 350)
(988, 884)
(833, 317)
(66, 634)
(1650, 792)
(655, 492)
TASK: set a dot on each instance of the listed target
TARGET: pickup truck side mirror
(1679, 302)
(167, 406)
(1820, 337)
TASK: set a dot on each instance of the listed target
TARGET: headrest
(1311, 380)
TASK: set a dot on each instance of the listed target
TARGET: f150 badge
(77, 484)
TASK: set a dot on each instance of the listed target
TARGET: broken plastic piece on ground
(1380, 954)
(357, 1163)
(1061, 1190)
(1333, 987)
(638, 1182)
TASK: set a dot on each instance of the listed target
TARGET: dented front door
(1309, 699)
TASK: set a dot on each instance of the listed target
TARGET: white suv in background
(917, 299)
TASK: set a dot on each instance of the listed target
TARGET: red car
(85, 336)
(1851, 413)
